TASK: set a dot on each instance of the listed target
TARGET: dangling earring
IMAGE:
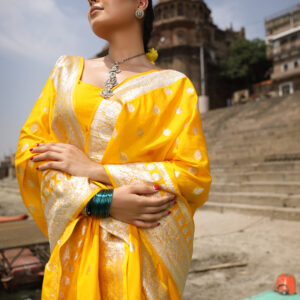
(139, 13)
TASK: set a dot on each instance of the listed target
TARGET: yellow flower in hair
(152, 55)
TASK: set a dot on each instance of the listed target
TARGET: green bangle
(100, 203)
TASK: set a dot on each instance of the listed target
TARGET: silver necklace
(112, 80)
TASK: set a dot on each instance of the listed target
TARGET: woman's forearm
(98, 173)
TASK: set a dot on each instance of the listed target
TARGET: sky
(34, 33)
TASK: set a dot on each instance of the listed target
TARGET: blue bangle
(99, 205)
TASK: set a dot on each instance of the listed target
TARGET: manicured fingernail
(169, 212)
(37, 144)
(156, 187)
(37, 168)
(30, 149)
(31, 158)
(158, 224)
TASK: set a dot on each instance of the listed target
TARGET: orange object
(13, 218)
(285, 284)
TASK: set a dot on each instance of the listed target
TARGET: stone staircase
(254, 152)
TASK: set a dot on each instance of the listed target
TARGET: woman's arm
(98, 173)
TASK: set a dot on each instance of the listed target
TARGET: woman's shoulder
(66, 60)
(175, 72)
(175, 76)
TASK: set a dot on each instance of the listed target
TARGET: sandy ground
(270, 247)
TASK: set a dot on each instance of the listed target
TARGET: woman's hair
(148, 24)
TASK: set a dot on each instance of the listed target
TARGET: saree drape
(150, 132)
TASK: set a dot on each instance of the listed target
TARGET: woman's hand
(63, 157)
(129, 205)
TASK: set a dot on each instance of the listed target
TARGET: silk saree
(148, 132)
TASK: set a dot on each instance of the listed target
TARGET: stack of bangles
(99, 205)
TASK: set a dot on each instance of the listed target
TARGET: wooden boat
(24, 251)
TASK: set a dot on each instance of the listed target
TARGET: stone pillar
(203, 104)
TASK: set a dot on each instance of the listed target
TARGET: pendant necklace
(112, 80)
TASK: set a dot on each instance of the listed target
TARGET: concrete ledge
(289, 214)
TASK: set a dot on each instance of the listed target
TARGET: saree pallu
(148, 132)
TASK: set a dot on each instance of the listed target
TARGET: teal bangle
(99, 205)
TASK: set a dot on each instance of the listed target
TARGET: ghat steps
(254, 152)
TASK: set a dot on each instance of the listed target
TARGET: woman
(83, 136)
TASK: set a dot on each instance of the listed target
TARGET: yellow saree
(149, 131)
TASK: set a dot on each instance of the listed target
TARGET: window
(180, 36)
(172, 11)
(285, 67)
(296, 64)
(180, 9)
(158, 14)
(294, 37)
(276, 44)
(166, 13)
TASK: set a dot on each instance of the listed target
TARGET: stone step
(10, 190)
(251, 154)
(13, 183)
(281, 166)
(283, 213)
(243, 136)
(251, 131)
(246, 143)
(237, 177)
(256, 198)
(288, 187)
(254, 153)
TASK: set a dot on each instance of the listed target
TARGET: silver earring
(139, 13)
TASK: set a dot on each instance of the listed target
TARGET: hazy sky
(34, 33)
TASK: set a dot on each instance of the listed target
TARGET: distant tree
(247, 62)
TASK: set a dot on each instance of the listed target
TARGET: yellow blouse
(149, 131)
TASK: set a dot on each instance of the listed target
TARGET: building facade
(283, 40)
(187, 40)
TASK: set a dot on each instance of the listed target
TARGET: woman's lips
(95, 10)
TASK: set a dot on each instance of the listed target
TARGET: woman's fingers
(150, 220)
(158, 201)
(42, 147)
(143, 224)
(157, 209)
(49, 155)
(155, 217)
(55, 165)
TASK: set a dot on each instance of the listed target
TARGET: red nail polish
(31, 158)
(156, 187)
(158, 224)
(37, 144)
(37, 168)
(169, 212)
(30, 149)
